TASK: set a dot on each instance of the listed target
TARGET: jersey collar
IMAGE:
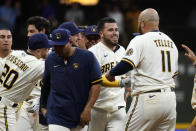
(154, 31)
(28, 52)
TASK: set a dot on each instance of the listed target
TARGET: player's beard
(108, 41)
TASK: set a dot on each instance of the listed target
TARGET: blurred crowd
(14, 13)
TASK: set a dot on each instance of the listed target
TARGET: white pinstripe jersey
(155, 58)
(20, 74)
(1, 65)
(109, 98)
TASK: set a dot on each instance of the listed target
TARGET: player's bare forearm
(93, 95)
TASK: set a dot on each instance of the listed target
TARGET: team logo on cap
(75, 65)
(93, 29)
(129, 52)
(58, 36)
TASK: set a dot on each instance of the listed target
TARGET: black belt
(172, 89)
(119, 107)
(13, 105)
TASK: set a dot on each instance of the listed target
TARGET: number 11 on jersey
(167, 53)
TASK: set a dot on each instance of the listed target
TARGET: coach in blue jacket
(70, 85)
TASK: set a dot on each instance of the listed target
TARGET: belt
(160, 90)
(119, 107)
(8, 102)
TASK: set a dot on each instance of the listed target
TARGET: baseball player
(28, 116)
(37, 24)
(89, 37)
(191, 56)
(108, 112)
(71, 84)
(92, 35)
(154, 57)
(28, 113)
(82, 38)
(75, 31)
(20, 73)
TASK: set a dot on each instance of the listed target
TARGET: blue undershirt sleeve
(121, 68)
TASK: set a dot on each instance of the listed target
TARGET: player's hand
(189, 53)
(43, 110)
(192, 128)
(85, 116)
(109, 77)
(36, 116)
(128, 94)
(34, 106)
(126, 82)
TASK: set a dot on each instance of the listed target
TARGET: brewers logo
(75, 65)
(58, 36)
(93, 29)
(129, 52)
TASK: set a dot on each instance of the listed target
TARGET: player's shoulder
(23, 55)
(140, 39)
(95, 47)
(136, 40)
(18, 52)
(84, 53)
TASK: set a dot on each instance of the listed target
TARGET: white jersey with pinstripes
(155, 58)
(109, 98)
(20, 74)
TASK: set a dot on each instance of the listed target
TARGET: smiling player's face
(110, 33)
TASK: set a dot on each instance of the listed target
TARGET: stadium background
(177, 19)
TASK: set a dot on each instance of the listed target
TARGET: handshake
(126, 82)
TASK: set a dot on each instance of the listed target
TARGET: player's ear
(101, 34)
(142, 24)
(71, 42)
(43, 31)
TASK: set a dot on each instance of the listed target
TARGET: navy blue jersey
(66, 86)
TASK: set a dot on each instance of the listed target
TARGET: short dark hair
(101, 22)
(6, 28)
(40, 23)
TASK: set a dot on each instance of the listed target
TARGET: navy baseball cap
(38, 41)
(71, 27)
(60, 37)
(91, 30)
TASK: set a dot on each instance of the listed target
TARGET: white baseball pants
(155, 111)
(102, 120)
